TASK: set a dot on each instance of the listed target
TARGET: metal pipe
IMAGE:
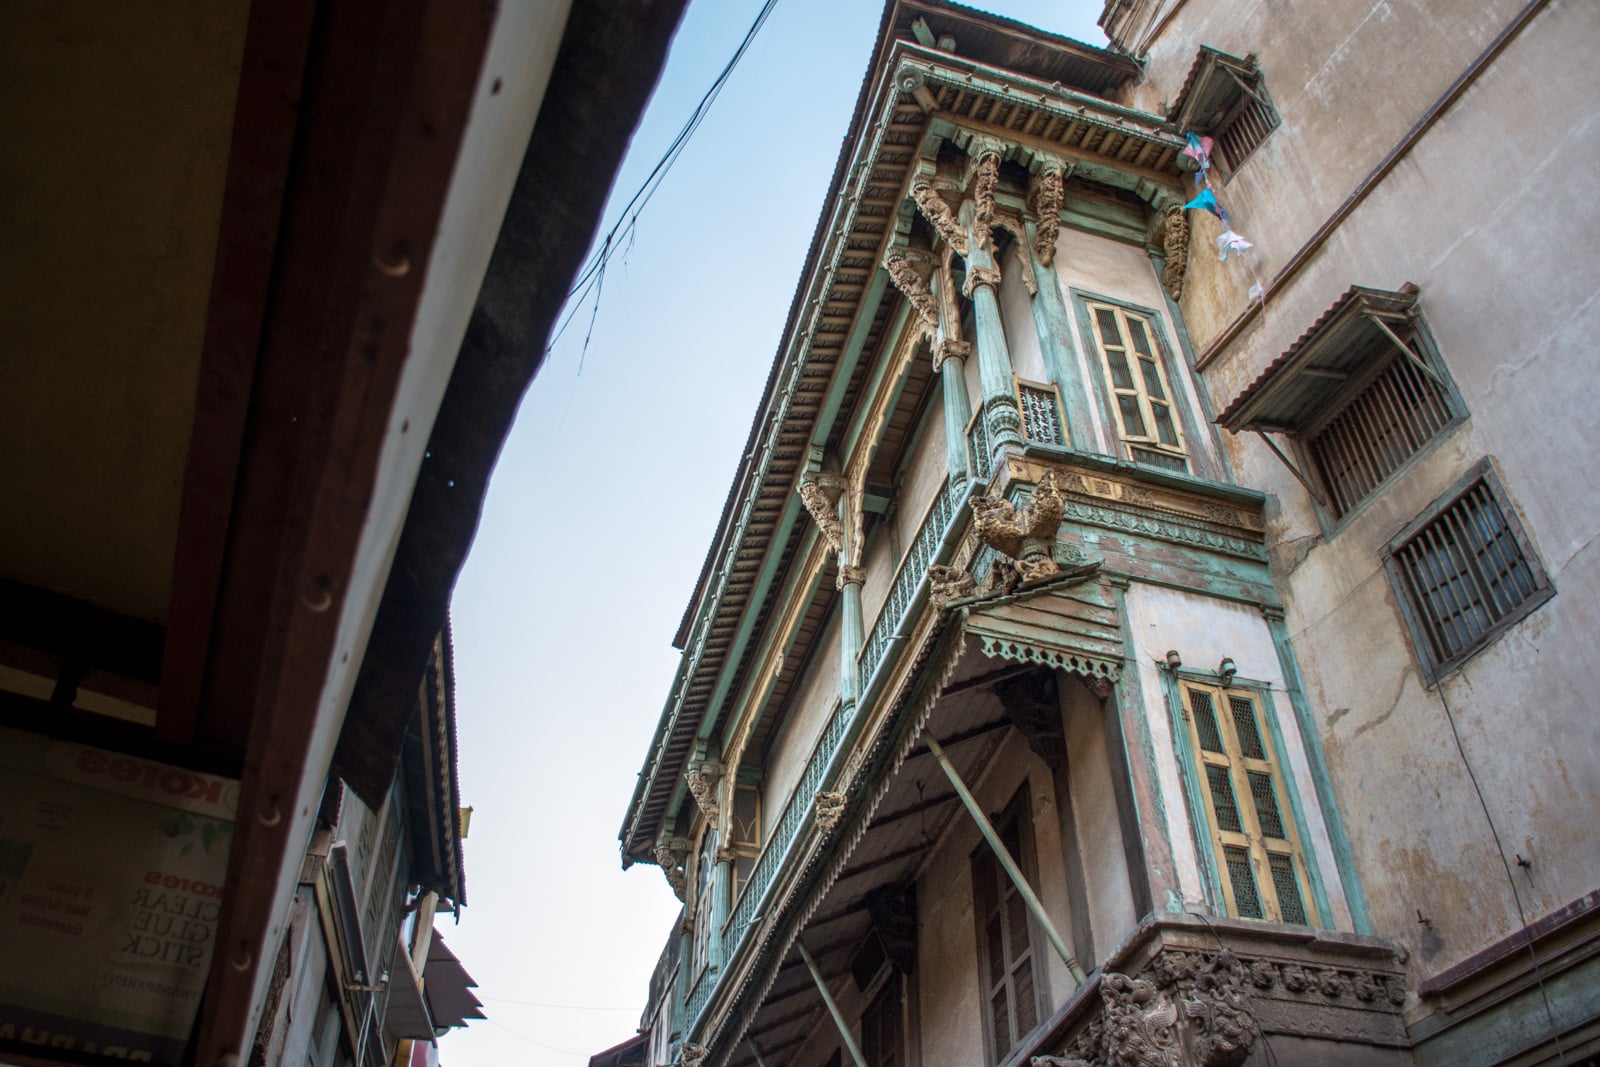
(1010, 865)
(756, 1052)
(833, 1009)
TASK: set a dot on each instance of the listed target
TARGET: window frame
(982, 862)
(1432, 667)
(1181, 397)
(1212, 841)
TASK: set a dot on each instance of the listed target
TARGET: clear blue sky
(601, 509)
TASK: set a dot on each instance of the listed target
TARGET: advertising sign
(111, 884)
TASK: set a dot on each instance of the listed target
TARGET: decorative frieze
(1223, 1027)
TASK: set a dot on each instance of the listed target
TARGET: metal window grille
(1041, 414)
(1222, 799)
(1386, 424)
(1464, 572)
(1244, 721)
(1290, 905)
(1267, 814)
(1205, 721)
(1245, 898)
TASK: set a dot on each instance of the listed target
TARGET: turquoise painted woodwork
(1338, 839)
(957, 413)
(1131, 710)
(1193, 793)
(1050, 318)
(859, 330)
(1280, 752)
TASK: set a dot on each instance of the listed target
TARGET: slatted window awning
(1349, 343)
(1224, 96)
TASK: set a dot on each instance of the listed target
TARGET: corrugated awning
(1351, 337)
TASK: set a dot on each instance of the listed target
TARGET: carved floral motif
(910, 281)
(938, 212)
(1045, 194)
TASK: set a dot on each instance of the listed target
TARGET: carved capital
(1173, 233)
(830, 809)
(910, 281)
(946, 584)
(979, 276)
(950, 348)
(702, 777)
(936, 209)
(725, 854)
(1045, 194)
(850, 574)
(820, 494)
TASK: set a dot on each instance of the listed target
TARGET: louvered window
(1140, 392)
(1258, 854)
(1465, 573)
(1012, 996)
(1041, 413)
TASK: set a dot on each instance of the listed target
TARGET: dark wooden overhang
(1214, 79)
(432, 790)
(1331, 355)
(837, 323)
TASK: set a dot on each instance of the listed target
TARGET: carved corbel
(1172, 232)
(1140, 1025)
(946, 584)
(830, 809)
(902, 271)
(985, 179)
(1224, 1027)
(1046, 191)
(702, 777)
(1027, 536)
(692, 1055)
(670, 854)
(819, 492)
(936, 209)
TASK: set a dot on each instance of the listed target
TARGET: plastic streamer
(1198, 148)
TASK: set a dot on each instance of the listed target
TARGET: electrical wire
(1522, 915)
(548, 1004)
(593, 272)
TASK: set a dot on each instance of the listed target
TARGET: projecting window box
(1360, 395)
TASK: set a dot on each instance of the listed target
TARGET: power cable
(593, 272)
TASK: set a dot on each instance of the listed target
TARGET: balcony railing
(930, 542)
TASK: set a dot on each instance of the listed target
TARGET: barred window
(1465, 572)
(1259, 862)
(1041, 413)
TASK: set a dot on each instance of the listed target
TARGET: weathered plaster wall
(1094, 809)
(808, 713)
(1348, 81)
(1022, 332)
(1203, 630)
(1502, 254)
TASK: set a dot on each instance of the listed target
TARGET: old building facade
(1115, 653)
